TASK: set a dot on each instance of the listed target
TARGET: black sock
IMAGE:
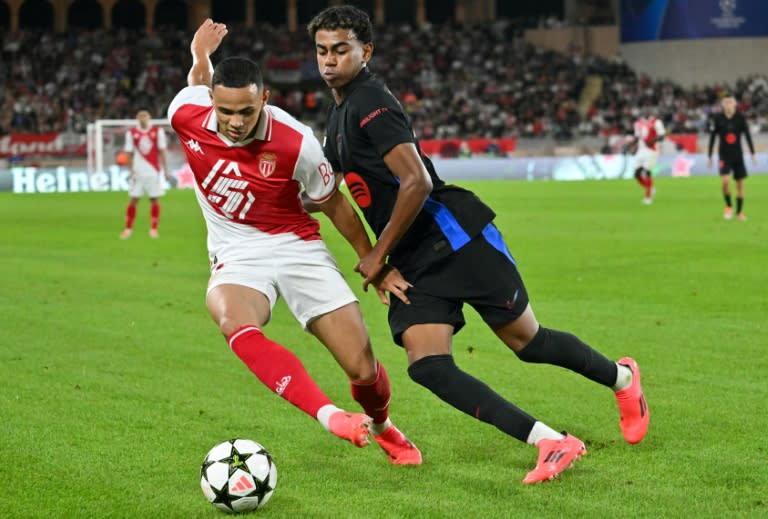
(439, 374)
(567, 351)
(727, 200)
(739, 204)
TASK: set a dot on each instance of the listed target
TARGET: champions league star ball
(238, 476)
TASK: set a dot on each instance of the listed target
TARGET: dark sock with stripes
(439, 374)
(567, 351)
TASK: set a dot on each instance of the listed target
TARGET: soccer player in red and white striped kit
(250, 161)
(147, 144)
(649, 132)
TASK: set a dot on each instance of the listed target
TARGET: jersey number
(229, 194)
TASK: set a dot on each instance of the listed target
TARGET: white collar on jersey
(263, 128)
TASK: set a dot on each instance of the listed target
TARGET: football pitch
(114, 382)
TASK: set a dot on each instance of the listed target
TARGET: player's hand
(754, 159)
(369, 267)
(208, 37)
(709, 162)
(391, 280)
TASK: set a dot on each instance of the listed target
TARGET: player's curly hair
(237, 72)
(346, 17)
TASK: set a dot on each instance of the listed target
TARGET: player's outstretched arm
(207, 39)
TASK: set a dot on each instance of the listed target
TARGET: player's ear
(265, 95)
(367, 52)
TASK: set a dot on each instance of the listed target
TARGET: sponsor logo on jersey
(358, 189)
(368, 118)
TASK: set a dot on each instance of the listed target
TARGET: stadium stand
(455, 81)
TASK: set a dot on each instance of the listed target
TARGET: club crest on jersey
(267, 164)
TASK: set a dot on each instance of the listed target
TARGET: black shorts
(735, 165)
(482, 274)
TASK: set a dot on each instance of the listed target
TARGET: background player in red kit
(146, 144)
(648, 131)
(728, 128)
(250, 161)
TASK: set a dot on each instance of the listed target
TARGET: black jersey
(367, 124)
(729, 131)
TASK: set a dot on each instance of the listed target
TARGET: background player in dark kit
(728, 127)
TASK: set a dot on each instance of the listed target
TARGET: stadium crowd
(455, 81)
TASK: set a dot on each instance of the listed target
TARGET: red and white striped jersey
(145, 146)
(250, 187)
(648, 130)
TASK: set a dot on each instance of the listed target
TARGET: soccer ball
(238, 476)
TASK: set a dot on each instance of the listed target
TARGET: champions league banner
(653, 20)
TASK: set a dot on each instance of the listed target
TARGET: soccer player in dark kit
(443, 240)
(728, 126)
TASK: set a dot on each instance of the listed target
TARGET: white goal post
(106, 138)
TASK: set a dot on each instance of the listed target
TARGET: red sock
(154, 213)
(374, 396)
(130, 216)
(278, 369)
(648, 187)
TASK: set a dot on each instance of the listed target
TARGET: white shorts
(152, 185)
(304, 273)
(646, 158)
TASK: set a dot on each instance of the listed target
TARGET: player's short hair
(348, 17)
(237, 72)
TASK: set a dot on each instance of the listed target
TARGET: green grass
(114, 382)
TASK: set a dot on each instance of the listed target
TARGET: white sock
(542, 431)
(324, 415)
(378, 428)
(623, 377)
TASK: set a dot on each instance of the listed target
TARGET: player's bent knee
(228, 326)
(430, 371)
(363, 373)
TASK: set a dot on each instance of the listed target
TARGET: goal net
(106, 141)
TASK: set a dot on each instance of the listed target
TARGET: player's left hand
(391, 280)
(754, 159)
